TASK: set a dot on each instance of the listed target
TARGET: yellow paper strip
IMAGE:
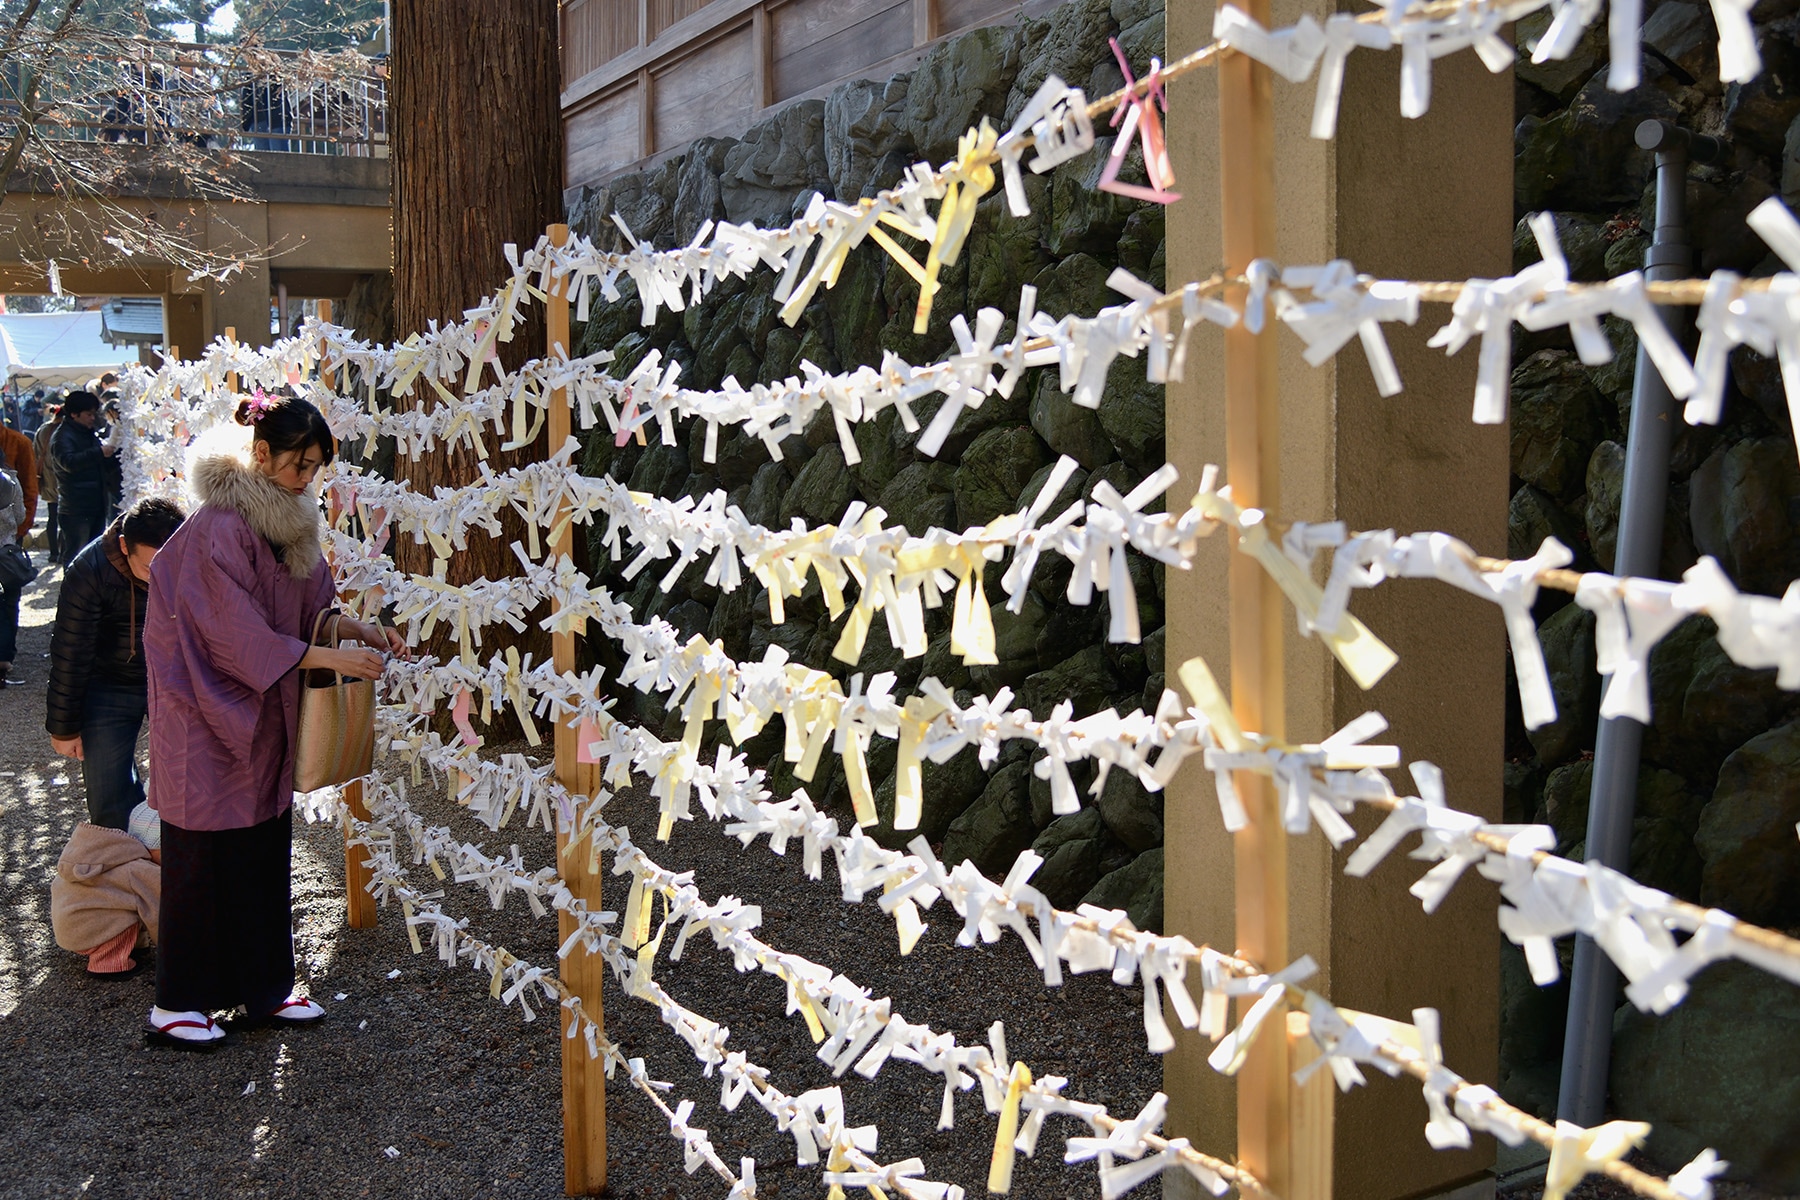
(1198, 679)
(1000, 1166)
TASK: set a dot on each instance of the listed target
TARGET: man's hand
(68, 747)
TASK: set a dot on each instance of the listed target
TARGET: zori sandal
(298, 1010)
(182, 1030)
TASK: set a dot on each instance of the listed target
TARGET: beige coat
(105, 884)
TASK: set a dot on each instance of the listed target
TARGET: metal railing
(209, 97)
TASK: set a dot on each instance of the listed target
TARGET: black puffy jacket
(80, 469)
(99, 634)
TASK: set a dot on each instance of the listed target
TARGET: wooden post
(1252, 467)
(1311, 1109)
(584, 1078)
(359, 905)
(231, 377)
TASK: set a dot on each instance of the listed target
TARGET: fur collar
(227, 478)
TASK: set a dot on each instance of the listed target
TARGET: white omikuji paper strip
(852, 1029)
(513, 978)
(1342, 305)
(856, 1030)
(1755, 631)
(816, 1119)
(1319, 781)
(686, 530)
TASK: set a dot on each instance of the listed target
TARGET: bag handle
(318, 625)
(319, 621)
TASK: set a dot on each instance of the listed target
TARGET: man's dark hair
(151, 522)
(78, 402)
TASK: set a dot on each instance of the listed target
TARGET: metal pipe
(1593, 988)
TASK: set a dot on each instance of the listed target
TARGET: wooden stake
(1252, 467)
(584, 1078)
(231, 377)
(1310, 1108)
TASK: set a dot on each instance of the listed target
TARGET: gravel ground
(463, 1089)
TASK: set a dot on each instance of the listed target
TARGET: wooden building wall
(643, 78)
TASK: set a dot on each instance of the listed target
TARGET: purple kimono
(228, 623)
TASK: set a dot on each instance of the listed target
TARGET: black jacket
(99, 634)
(80, 469)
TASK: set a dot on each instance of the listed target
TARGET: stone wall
(851, 144)
(1718, 796)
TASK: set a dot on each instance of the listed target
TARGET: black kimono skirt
(225, 932)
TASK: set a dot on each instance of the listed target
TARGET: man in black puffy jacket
(81, 469)
(98, 694)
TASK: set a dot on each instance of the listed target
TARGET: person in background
(12, 513)
(111, 432)
(107, 892)
(46, 476)
(234, 600)
(19, 455)
(17, 459)
(33, 412)
(98, 694)
(81, 465)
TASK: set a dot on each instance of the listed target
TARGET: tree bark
(477, 163)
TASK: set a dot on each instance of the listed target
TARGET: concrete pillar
(242, 301)
(1423, 199)
(184, 326)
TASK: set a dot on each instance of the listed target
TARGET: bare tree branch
(110, 120)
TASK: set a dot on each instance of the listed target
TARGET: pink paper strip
(1147, 125)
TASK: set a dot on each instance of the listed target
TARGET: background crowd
(198, 628)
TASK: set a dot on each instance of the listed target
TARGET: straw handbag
(336, 742)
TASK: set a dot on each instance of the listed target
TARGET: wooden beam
(584, 1078)
(643, 7)
(713, 20)
(1257, 622)
(924, 22)
(762, 63)
(646, 117)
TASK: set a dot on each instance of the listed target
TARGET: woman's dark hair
(287, 424)
(79, 402)
(151, 522)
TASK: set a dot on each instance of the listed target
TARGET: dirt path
(464, 1091)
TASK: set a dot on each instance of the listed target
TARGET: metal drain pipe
(1593, 988)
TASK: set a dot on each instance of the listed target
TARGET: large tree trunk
(477, 163)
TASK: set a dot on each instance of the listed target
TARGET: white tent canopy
(56, 349)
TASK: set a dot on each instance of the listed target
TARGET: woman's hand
(358, 664)
(379, 637)
(68, 747)
(390, 640)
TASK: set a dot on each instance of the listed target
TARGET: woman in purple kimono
(233, 599)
